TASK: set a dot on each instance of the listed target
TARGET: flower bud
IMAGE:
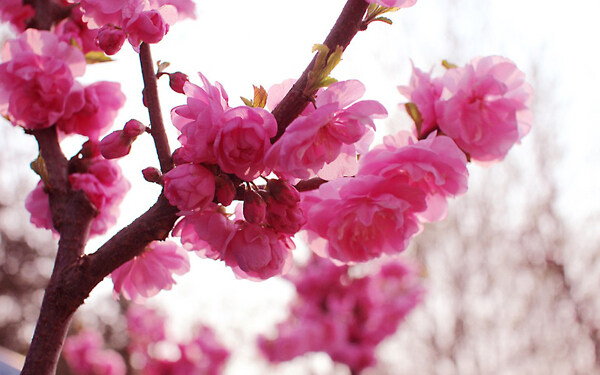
(115, 145)
(152, 174)
(110, 39)
(255, 207)
(225, 190)
(133, 128)
(283, 192)
(177, 80)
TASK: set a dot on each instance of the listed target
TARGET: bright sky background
(265, 42)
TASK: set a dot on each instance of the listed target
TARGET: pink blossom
(343, 316)
(394, 3)
(17, 14)
(207, 232)
(189, 186)
(314, 140)
(256, 252)
(145, 326)
(37, 77)
(199, 120)
(185, 8)
(85, 356)
(242, 141)
(98, 13)
(110, 39)
(485, 107)
(424, 92)
(91, 111)
(435, 165)
(38, 205)
(106, 187)
(150, 272)
(148, 26)
(358, 219)
(74, 30)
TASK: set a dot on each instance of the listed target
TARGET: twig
(347, 25)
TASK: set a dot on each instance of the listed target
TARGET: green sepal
(448, 65)
(324, 65)
(415, 115)
(95, 57)
(39, 167)
(384, 20)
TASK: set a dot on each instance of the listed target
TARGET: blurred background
(511, 274)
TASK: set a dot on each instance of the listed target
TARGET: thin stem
(157, 127)
(347, 25)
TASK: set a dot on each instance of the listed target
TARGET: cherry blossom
(189, 186)
(150, 272)
(85, 356)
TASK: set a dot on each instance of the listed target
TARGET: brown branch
(347, 25)
(157, 128)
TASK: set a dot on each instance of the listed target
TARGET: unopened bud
(255, 207)
(133, 128)
(115, 145)
(177, 80)
(283, 192)
(152, 174)
(110, 39)
(225, 190)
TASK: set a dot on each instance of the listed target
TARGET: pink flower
(98, 13)
(485, 107)
(242, 141)
(149, 26)
(106, 187)
(394, 3)
(189, 186)
(207, 232)
(435, 165)
(37, 77)
(91, 111)
(199, 120)
(85, 356)
(74, 29)
(424, 92)
(256, 252)
(358, 219)
(17, 14)
(185, 8)
(150, 272)
(145, 326)
(111, 39)
(314, 140)
(38, 205)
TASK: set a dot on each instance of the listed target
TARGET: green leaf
(162, 65)
(324, 64)
(415, 114)
(95, 57)
(384, 20)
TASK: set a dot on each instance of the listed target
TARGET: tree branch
(347, 25)
(157, 128)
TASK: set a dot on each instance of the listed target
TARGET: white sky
(265, 42)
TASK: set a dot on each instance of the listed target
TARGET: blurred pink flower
(485, 107)
(394, 3)
(85, 356)
(185, 8)
(242, 141)
(189, 186)
(150, 272)
(15, 13)
(312, 141)
(38, 205)
(358, 219)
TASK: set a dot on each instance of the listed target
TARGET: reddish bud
(177, 80)
(283, 192)
(255, 207)
(133, 128)
(110, 39)
(115, 145)
(152, 174)
(225, 190)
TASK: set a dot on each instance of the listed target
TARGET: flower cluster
(15, 13)
(100, 179)
(484, 106)
(203, 354)
(342, 316)
(136, 20)
(85, 355)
